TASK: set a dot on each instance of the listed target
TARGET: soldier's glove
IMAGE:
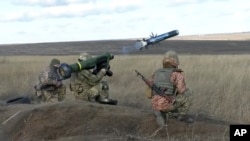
(108, 72)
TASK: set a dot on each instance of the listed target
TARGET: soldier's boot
(160, 118)
(185, 118)
(106, 101)
(104, 94)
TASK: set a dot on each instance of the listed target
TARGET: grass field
(220, 82)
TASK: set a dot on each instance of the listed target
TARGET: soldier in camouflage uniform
(90, 87)
(50, 87)
(177, 98)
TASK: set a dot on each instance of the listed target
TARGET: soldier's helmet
(84, 56)
(170, 58)
(54, 62)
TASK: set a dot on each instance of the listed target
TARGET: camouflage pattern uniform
(50, 88)
(87, 86)
(172, 80)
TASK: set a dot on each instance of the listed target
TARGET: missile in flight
(144, 43)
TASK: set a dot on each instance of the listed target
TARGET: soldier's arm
(179, 81)
(91, 77)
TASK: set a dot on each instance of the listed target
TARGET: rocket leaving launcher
(144, 43)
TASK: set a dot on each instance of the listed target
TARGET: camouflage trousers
(58, 94)
(181, 106)
(90, 94)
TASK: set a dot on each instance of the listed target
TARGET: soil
(80, 120)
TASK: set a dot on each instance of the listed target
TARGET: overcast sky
(33, 21)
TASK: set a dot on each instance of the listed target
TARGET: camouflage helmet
(171, 58)
(54, 62)
(84, 56)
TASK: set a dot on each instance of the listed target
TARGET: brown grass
(220, 82)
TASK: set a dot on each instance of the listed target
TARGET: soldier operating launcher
(95, 63)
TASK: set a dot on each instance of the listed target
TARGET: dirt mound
(91, 121)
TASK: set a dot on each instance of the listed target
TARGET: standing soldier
(50, 87)
(172, 81)
(90, 87)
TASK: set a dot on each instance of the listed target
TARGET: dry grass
(220, 82)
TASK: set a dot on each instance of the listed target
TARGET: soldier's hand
(103, 70)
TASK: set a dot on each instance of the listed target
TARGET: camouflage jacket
(48, 77)
(86, 78)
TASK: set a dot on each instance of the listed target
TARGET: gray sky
(32, 21)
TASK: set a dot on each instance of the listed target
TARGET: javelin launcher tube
(65, 70)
